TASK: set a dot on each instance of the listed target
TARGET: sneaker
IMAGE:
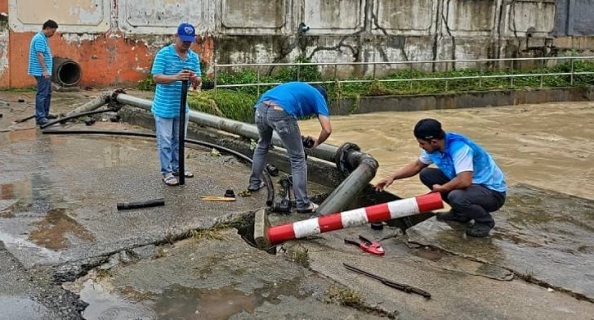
(260, 186)
(309, 209)
(451, 216)
(480, 230)
(41, 122)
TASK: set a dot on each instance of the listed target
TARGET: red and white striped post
(379, 212)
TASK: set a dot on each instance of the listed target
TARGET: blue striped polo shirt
(168, 96)
(39, 43)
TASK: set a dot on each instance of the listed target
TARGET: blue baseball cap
(186, 32)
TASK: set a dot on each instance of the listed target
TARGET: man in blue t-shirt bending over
(466, 176)
(278, 110)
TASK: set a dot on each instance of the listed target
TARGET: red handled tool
(372, 247)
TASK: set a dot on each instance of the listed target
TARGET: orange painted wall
(107, 60)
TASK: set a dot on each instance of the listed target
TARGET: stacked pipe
(266, 236)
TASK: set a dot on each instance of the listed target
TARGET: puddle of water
(428, 253)
(104, 305)
(188, 303)
(17, 308)
(51, 232)
(25, 245)
(175, 302)
(21, 191)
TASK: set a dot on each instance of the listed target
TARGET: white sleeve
(424, 158)
(463, 159)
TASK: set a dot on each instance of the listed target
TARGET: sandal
(170, 180)
(188, 174)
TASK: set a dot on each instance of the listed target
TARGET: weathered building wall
(114, 40)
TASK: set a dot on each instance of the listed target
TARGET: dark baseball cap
(186, 32)
(428, 129)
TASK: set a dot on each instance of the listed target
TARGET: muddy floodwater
(550, 146)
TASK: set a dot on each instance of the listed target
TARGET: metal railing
(506, 72)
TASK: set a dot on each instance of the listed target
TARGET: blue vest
(485, 171)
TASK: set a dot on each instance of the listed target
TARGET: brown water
(547, 145)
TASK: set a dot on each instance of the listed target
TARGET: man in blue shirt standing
(40, 66)
(466, 176)
(277, 111)
(173, 64)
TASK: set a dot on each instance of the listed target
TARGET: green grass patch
(237, 103)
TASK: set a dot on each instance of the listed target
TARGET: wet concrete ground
(64, 235)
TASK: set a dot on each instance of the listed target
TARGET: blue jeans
(42, 98)
(167, 131)
(269, 120)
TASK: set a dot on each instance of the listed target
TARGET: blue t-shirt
(168, 96)
(39, 43)
(462, 154)
(298, 99)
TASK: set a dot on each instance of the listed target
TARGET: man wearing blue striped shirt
(173, 64)
(40, 66)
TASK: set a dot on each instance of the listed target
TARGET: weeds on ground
(102, 274)
(299, 254)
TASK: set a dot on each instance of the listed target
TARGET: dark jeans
(269, 120)
(475, 202)
(42, 98)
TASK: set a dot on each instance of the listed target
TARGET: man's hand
(183, 75)
(438, 188)
(384, 183)
(46, 74)
(196, 81)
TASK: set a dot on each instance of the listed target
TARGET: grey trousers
(475, 202)
(269, 120)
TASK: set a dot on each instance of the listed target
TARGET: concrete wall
(114, 40)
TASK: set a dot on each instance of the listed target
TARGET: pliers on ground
(366, 245)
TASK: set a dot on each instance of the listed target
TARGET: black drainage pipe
(66, 72)
(140, 204)
(265, 174)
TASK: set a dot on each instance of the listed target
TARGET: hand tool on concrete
(216, 198)
(24, 119)
(366, 245)
(141, 204)
(399, 286)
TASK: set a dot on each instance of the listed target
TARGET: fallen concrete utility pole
(266, 236)
(348, 158)
(103, 99)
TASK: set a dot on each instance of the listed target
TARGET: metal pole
(182, 133)
(96, 103)
(325, 152)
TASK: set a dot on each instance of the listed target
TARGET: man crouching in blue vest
(466, 176)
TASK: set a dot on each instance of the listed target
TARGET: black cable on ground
(265, 174)
(88, 113)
